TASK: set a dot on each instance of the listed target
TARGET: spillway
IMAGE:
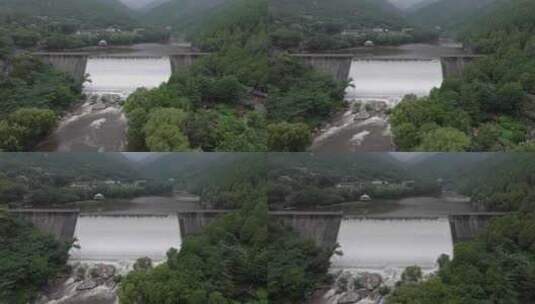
(384, 244)
(125, 238)
(392, 79)
(124, 75)
(377, 85)
(99, 124)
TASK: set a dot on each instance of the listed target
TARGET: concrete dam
(374, 242)
(337, 65)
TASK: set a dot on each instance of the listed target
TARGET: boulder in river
(369, 281)
(350, 297)
(86, 285)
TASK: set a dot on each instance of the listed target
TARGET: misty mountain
(448, 165)
(95, 12)
(364, 13)
(449, 14)
(82, 166)
(179, 12)
(364, 166)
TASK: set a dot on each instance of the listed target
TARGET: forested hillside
(489, 108)
(449, 14)
(92, 12)
(498, 264)
(181, 13)
(307, 25)
(50, 179)
(307, 181)
(28, 259)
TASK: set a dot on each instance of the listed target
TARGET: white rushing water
(112, 238)
(377, 85)
(382, 245)
(124, 75)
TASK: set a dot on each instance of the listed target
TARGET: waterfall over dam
(370, 242)
(124, 75)
(99, 124)
(377, 85)
(125, 237)
(395, 243)
(392, 79)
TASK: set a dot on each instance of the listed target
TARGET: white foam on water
(359, 137)
(97, 124)
(393, 78)
(126, 74)
(384, 245)
(114, 238)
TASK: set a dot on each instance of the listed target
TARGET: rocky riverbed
(87, 284)
(357, 288)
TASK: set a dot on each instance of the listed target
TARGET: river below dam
(98, 124)
(111, 235)
(379, 239)
(381, 77)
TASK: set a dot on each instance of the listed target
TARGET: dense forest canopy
(490, 107)
(28, 259)
(92, 12)
(449, 14)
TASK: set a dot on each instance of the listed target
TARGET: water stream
(377, 85)
(99, 124)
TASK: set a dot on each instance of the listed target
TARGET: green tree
(445, 140)
(286, 137)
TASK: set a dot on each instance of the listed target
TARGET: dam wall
(180, 62)
(192, 222)
(59, 223)
(73, 64)
(453, 66)
(322, 227)
(336, 65)
(465, 227)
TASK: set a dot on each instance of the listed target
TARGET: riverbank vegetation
(498, 266)
(28, 260)
(505, 183)
(307, 181)
(490, 107)
(60, 25)
(43, 180)
(32, 96)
